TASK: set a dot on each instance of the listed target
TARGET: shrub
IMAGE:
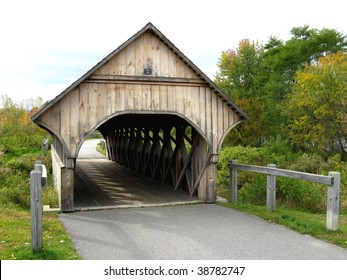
(311, 164)
(50, 197)
(20, 147)
(250, 184)
(253, 190)
(22, 165)
(18, 192)
(289, 192)
(301, 194)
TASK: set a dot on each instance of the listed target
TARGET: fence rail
(332, 180)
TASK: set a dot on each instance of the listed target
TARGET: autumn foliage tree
(282, 59)
(260, 80)
(238, 76)
(17, 132)
(316, 107)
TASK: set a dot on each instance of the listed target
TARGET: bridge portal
(160, 115)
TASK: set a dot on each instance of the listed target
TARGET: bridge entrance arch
(159, 114)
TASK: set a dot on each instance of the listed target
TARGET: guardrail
(332, 180)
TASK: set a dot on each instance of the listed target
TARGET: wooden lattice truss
(173, 153)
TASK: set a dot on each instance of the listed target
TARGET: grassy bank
(15, 220)
(20, 147)
(305, 222)
(15, 237)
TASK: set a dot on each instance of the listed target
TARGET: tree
(16, 127)
(282, 59)
(11, 115)
(239, 69)
(306, 46)
(259, 78)
(238, 77)
(316, 107)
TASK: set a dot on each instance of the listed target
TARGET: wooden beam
(202, 159)
(159, 165)
(67, 189)
(145, 140)
(143, 80)
(328, 180)
(187, 160)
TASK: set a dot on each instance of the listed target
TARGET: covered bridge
(159, 114)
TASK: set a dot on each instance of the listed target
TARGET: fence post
(233, 184)
(332, 222)
(39, 166)
(44, 146)
(271, 190)
(36, 210)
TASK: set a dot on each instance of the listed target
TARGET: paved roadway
(88, 150)
(189, 232)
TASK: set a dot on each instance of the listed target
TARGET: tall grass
(20, 148)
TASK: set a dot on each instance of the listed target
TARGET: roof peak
(161, 36)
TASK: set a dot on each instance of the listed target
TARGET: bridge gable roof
(147, 28)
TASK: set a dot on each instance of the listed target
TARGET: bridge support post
(211, 187)
(67, 186)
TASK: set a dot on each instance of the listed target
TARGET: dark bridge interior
(160, 146)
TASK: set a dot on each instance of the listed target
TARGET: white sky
(47, 45)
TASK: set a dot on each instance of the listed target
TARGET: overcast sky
(47, 45)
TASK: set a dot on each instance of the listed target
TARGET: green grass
(101, 149)
(304, 222)
(15, 237)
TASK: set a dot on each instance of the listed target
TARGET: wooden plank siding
(89, 107)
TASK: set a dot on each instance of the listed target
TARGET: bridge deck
(100, 183)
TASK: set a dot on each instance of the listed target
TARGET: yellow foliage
(317, 105)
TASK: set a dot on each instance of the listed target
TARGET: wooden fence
(332, 180)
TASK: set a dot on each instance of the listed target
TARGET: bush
(18, 193)
(50, 197)
(289, 192)
(21, 165)
(250, 184)
(20, 147)
(300, 194)
(311, 164)
(253, 190)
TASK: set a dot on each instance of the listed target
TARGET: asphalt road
(88, 150)
(189, 232)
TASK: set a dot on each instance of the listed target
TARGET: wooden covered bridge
(159, 114)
